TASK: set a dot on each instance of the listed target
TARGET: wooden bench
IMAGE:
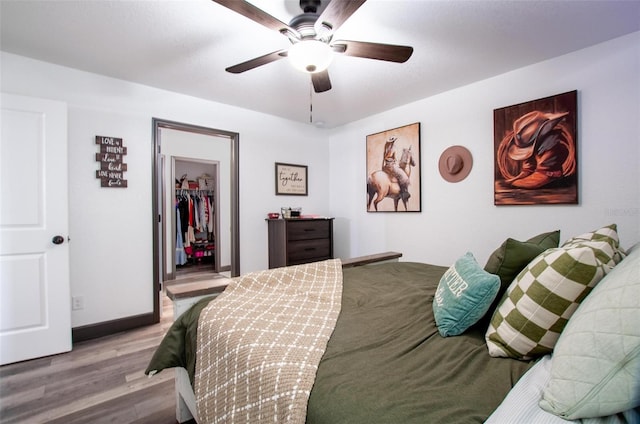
(186, 294)
(369, 259)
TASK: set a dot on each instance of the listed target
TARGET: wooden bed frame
(185, 295)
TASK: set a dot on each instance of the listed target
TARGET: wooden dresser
(299, 240)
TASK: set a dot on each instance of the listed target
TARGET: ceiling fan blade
(336, 13)
(388, 52)
(321, 81)
(250, 11)
(258, 61)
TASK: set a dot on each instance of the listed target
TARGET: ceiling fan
(311, 36)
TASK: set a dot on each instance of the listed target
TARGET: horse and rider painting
(393, 170)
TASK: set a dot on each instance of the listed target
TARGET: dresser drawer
(308, 230)
(303, 251)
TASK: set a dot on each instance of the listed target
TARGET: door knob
(57, 240)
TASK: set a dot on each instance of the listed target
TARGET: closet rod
(195, 193)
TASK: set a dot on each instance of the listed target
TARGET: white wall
(111, 229)
(461, 217)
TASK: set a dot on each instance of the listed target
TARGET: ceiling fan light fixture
(310, 56)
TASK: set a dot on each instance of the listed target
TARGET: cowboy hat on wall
(535, 152)
(455, 164)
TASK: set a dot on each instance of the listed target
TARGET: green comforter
(385, 361)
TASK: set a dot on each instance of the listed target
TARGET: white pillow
(596, 361)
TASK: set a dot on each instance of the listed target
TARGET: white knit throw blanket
(260, 342)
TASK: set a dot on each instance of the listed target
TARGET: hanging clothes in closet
(181, 256)
(196, 212)
(182, 210)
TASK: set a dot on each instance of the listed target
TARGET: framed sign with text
(111, 158)
(291, 179)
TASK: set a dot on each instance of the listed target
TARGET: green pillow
(463, 296)
(512, 256)
(607, 234)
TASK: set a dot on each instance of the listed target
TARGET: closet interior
(196, 222)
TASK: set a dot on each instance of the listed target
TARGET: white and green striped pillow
(542, 298)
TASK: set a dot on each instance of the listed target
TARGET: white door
(35, 314)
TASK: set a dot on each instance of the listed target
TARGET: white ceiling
(184, 46)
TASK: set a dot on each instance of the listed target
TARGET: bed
(386, 360)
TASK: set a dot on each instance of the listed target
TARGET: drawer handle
(309, 249)
(309, 229)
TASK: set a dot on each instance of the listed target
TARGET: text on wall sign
(111, 157)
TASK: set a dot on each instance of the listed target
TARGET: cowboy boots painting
(540, 148)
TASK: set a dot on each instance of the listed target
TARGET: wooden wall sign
(111, 157)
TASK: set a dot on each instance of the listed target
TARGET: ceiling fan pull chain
(310, 103)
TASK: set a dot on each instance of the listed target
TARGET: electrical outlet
(77, 302)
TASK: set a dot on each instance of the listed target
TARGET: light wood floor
(99, 381)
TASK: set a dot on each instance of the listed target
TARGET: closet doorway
(174, 142)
